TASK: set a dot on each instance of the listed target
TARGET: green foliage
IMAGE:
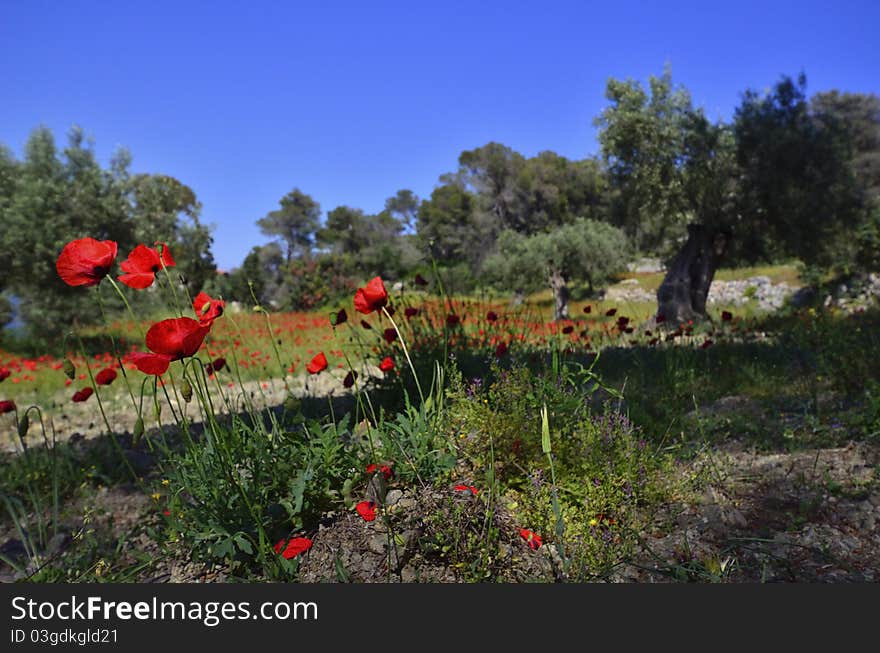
(294, 223)
(7, 311)
(799, 189)
(447, 227)
(585, 250)
(603, 474)
(867, 241)
(643, 143)
(311, 282)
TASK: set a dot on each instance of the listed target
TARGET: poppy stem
(406, 354)
(124, 299)
(110, 431)
(118, 357)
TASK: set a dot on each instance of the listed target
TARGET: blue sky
(351, 101)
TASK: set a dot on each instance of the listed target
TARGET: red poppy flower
(420, 280)
(588, 308)
(387, 364)
(349, 379)
(7, 406)
(386, 470)
(82, 395)
(610, 312)
(726, 316)
(367, 510)
(207, 309)
(410, 312)
(215, 366)
(142, 265)
(706, 343)
(452, 319)
(466, 488)
(86, 261)
(660, 318)
(371, 297)
(339, 318)
(4, 374)
(105, 376)
(390, 335)
(500, 350)
(532, 539)
(492, 316)
(567, 329)
(291, 548)
(169, 340)
(318, 364)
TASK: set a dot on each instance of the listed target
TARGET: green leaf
(545, 430)
(243, 543)
(342, 574)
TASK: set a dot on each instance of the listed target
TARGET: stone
(377, 543)
(393, 497)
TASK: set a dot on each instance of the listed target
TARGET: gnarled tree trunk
(560, 294)
(682, 295)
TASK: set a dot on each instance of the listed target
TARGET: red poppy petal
(82, 395)
(367, 510)
(138, 280)
(155, 364)
(387, 364)
(360, 301)
(292, 548)
(192, 341)
(142, 259)
(202, 303)
(167, 259)
(106, 376)
(177, 337)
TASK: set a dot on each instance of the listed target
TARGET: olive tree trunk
(560, 294)
(683, 293)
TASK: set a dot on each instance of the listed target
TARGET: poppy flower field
(450, 438)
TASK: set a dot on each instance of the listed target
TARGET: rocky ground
(65, 419)
(767, 296)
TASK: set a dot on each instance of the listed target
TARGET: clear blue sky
(351, 101)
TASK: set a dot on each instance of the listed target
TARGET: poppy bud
(23, 425)
(138, 429)
(69, 368)
(186, 390)
(338, 318)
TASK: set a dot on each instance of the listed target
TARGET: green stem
(406, 354)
